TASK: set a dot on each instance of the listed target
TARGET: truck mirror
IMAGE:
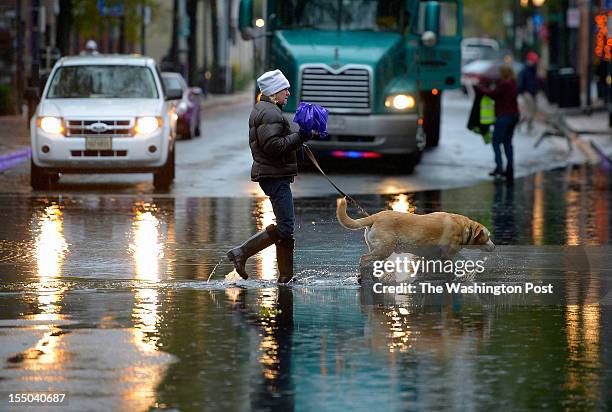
(429, 38)
(432, 17)
(245, 19)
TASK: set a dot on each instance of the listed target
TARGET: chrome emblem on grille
(98, 127)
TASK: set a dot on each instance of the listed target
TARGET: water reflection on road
(118, 287)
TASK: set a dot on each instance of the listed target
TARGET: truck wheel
(198, 132)
(431, 113)
(162, 179)
(405, 164)
(39, 180)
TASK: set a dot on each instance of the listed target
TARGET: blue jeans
(502, 134)
(279, 192)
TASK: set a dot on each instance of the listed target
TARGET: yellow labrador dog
(389, 231)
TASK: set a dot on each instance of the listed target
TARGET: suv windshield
(103, 81)
(371, 15)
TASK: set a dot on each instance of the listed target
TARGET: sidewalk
(219, 100)
(14, 134)
(14, 141)
(575, 118)
(596, 123)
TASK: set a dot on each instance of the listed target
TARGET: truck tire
(184, 130)
(163, 178)
(432, 108)
(405, 164)
(198, 132)
(39, 180)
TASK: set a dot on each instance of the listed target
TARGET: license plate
(98, 143)
(336, 123)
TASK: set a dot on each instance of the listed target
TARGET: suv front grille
(113, 128)
(98, 153)
(345, 91)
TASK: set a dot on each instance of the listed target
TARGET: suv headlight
(147, 125)
(51, 125)
(400, 101)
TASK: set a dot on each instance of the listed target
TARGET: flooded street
(112, 300)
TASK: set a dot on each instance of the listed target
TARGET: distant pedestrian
(504, 94)
(528, 89)
(91, 48)
(273, 148)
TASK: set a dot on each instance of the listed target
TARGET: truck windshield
(357, 15)
(103, 81)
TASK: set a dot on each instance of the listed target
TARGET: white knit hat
(272, 82)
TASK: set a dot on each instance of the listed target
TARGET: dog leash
(314, 161)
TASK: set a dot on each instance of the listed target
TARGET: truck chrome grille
(347, 91)
(113, 128)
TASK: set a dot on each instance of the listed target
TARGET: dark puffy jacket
(272, 144)
(528, 80)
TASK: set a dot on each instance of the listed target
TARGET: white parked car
(103, 114)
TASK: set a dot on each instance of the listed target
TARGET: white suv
(103, 114)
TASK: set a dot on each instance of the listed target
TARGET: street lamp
(538, 3)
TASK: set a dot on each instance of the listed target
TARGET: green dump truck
(378, 66)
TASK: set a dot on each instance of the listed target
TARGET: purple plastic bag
(312, 118)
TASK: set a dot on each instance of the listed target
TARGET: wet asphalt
(118, 297)
(113, 301)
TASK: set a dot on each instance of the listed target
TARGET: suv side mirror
(174, 94)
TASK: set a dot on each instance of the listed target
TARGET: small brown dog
(389, 231)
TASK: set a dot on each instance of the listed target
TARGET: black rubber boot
(284, 259)
(258, 242)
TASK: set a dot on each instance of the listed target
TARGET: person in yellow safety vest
(487, 118)
(482, 116)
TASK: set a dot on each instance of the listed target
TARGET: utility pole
(122, 33)
(64, 24)
(216, 77)
(205, 72)
(19, 64)
(590, 25)
(33, 90)
(143, 28)
(182, 37)
(192, 42)
(173, 53)
(515, 16)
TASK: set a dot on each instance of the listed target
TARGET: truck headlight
(147, 125)
(51, 125)
(400, 101)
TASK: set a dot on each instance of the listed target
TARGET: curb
(12, 159)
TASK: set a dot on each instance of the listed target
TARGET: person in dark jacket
(273, 147)
(506, 117)
(528, 89)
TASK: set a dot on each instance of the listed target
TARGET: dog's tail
(346, 221)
